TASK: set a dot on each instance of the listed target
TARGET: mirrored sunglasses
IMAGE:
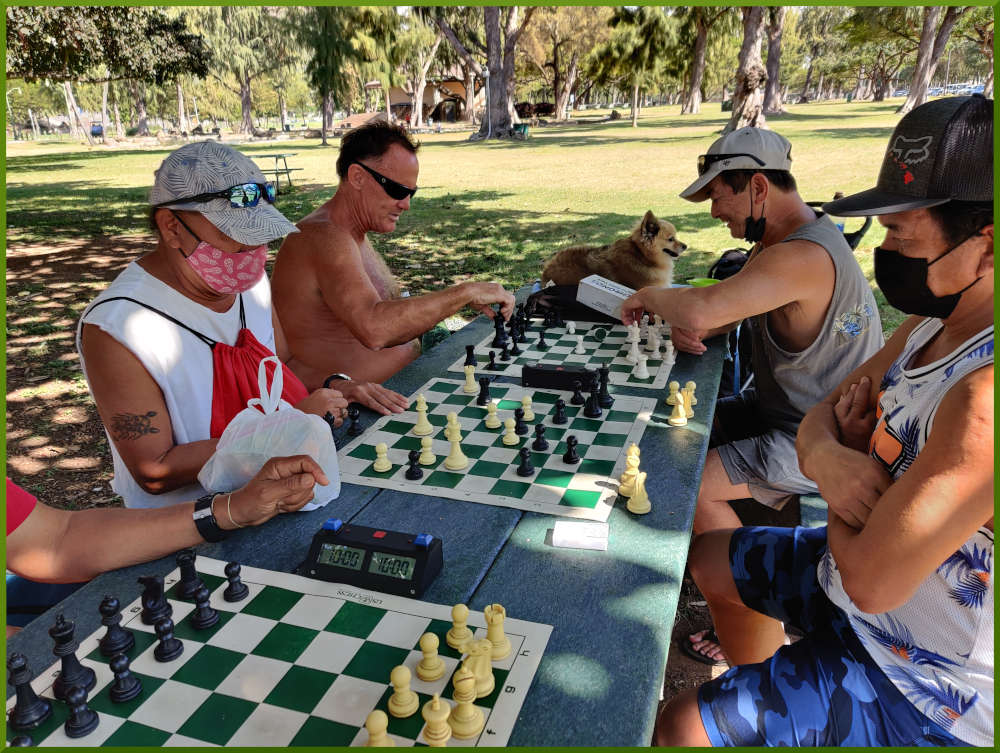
(705, 161)
(240, 196)
(395, 190)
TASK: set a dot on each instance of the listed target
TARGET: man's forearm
(400, 320)
(819, 426)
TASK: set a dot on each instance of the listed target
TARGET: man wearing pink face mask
(171, 349)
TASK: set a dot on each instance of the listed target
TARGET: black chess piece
(549, 320)
(571, 457)
(204, 615)
(190, 581)
(592, 409)
(559, 417)
(470, 356)
(414, 472)
(540, 443)
(126, 685)
(541, 344)
(501, 334)
(492, 365)
(72, 672)
(519, 426)
(82, 719)
(169, 647)
(328, 417)
(515, 349)
(237, 590)
(117, 640)
(353, 414)
(604, 398)
(522, 331)
(483, 398)
(525, 468)
(557, 318)
(22, 741)
(154, 603)
(505, 352)
(30, 711)
(578, 398)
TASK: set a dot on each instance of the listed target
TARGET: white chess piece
(633, 333)
(638, 503)
(640, 371)
(427, 456)
(529, 414)
(509, 435)
(570, 328)
(423, 427)
(578, 348)
(633, 352)
(653, 344)
(470, 387)
(492, 420)
(382, 463)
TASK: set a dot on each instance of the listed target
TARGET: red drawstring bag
(234, 370)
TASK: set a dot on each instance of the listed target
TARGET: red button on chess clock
(378, 535)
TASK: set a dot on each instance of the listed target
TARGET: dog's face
(656, 238)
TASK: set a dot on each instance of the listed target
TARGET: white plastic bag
(252, 438)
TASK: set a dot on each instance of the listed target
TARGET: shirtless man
(338, 301)
(814, 321)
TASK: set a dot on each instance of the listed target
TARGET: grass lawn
(76, 215)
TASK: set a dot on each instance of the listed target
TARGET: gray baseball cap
(207, 167)
(743, 149)
(941, 151)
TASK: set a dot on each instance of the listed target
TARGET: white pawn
(453, 431)
(427, 456)
(633, 333)
(436, 712)
(669, 353)
(456, 459)
(382, 463)
(403, 702)
(509, 436)
(570, 328)
(653, 345)
(690, 387)
(658, 323)
(466, 720)
(470, 387)
(500, 644)
(638, 503)
(578, 348)
(633, 352)
(674, 390)
(679, 415)
(529, 415)
(459, 635)
(431, 667)
(423, 427)
(492, 420)
(688, 394)
(640, 371)
(377, 723)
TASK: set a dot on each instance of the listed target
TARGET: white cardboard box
(601, 294)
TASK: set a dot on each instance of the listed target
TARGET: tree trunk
(469, 110)
(246, 106)
(562, 97)
(635, 105)
(327, 107)
(142, 119)
(819, 86)
(751, 78)
(74, 111)
(772, 95)
(419, 82)
(929, 53)
(105, 122)
(804, 94)
(34, 125)
(692, 98)
(500, 62)
(182, 124)
(282, 109)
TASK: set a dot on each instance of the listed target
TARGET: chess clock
(404, 564)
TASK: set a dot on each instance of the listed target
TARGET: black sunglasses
(705, 161)
(395, 190)
(241, 196)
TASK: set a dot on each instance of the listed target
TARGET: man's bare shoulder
(318, 235)
(795, 260)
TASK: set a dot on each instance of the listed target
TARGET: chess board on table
(605, 345)
(587, 489)
(297, 662)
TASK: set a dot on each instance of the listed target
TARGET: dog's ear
(650, 226)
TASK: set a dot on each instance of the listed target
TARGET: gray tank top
(789, 384)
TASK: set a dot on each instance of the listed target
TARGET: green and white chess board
(297, 662)
(587, 489)
(604, 345)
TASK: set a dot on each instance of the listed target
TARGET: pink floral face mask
(228, 273)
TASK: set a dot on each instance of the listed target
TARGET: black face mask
(903, 282)
(753, 230)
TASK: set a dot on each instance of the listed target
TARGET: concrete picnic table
(278, 169)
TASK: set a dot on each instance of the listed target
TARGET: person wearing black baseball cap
(895, 594)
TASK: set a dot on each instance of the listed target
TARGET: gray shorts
(753, 454)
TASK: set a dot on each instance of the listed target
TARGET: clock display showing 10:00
(382, 563)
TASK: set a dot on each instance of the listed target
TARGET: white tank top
(179, 362)
(938, 647)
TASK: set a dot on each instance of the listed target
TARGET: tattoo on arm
(132, 425)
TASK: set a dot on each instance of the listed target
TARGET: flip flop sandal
(687, 648)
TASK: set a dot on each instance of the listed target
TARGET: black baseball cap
(940, 151)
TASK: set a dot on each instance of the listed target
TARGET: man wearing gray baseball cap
(813, 319)
(895, 594)
(171, 348)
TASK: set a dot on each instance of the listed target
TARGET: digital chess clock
(386, 561)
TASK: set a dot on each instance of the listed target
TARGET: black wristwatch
(204, 520)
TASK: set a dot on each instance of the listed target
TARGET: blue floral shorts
(823, 690)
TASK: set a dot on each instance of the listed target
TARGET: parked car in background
(935, 91)
(900, 92)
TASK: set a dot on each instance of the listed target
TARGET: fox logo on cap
(911, 151)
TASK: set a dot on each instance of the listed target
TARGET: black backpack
(737, 369)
